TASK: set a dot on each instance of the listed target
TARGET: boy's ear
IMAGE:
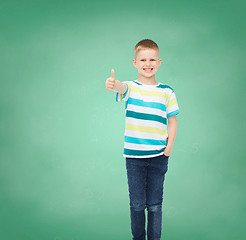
(134, 62)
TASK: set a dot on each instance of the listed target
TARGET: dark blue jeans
(145, 183)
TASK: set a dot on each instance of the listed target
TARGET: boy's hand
(115, 85)
(110, 82)
(167, 152)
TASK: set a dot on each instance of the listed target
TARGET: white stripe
(149, 89)
(172, 108)
(172, 96)
(134, 146)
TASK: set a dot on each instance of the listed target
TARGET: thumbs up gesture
(110, 82)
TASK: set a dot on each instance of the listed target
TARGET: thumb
(112, 73)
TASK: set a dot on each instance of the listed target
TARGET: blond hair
(145, 44)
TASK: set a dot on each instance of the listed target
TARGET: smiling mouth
(148, 69)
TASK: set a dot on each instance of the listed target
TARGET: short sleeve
(172, 105)
(124, 96)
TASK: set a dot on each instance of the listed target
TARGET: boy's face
(147, 62)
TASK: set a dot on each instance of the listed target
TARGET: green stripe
(146, 116)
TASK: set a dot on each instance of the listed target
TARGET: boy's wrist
(167, 151)
(119, 87)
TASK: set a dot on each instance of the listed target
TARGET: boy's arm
(115, 85)
(172, 130)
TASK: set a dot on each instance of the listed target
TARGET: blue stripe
(137, 82)
(142, 103)
(142, 152)
(145, 116)
(165, 86)
(173, 113)
(144, 141)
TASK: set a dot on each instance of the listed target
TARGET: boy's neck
(147, 81)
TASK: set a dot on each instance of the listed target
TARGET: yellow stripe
(136, 89)
(145, 129)
(171, 102)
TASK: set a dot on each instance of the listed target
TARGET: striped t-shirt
(147, 108)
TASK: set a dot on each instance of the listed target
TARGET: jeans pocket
(165, 163)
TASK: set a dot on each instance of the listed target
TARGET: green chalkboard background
(62, 172)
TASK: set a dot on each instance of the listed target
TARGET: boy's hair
(145, 44)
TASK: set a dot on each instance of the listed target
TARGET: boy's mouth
(147, 69)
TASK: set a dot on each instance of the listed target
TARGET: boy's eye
(150, 60)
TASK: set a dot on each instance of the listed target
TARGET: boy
(147, 147)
